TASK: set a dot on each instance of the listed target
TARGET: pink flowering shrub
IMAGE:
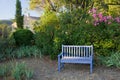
(117, 19)
(100, 19)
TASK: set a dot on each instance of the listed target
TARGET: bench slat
(82, 51)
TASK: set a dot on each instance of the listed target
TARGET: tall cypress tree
(19, 17)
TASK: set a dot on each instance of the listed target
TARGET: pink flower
(105, 19)
(89, 11)
(101, 20)
(109, 17)
(100, 15)
(94, 10)
(117, 19)
(109, 22)
(94, 15)
(96, 22)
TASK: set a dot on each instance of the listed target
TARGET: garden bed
(46, 69)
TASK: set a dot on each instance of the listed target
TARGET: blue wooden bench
(76, 54)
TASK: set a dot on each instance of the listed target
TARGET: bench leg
(59, 66)
(62, 65)
(91, 67)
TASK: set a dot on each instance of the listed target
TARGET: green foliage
(112, 60)
(58, 41)
(19, 52)
(5, 70)
(101, 5)
(75, 28)
(44, 42)
(114, 7)
(7, 46)
(23, 37)
(84, 4)
(38, 4)
(4, 31)
(19, 17)
(105, 40)
(27, 51)
(70, 31)
(8, 50)
(55, 5)
(20, 71)
(45, 32)
(52, 34)
(48, 22)
(29, 74)
(2, 71)
(114, 10)
(17, 71)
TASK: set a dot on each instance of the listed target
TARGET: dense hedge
(44, 42)
(23, 37)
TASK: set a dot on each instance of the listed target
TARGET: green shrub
(56, 47)
(5, 70)
(5, 31)
(45, 31)
(21, 72)
(9, 52)
(68, 32)
(23, 37)
(105, 40)
(74, 28)
(27, 51)
(44, 42)
(17, 71)
(113, 60)
(7, 46)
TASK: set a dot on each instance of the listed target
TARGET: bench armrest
(60, 55)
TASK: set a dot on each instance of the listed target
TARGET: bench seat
(84, 60)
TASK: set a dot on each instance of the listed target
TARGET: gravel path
(45, 69)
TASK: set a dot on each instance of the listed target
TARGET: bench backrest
(77, 51)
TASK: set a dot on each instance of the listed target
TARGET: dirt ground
(46, 69)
